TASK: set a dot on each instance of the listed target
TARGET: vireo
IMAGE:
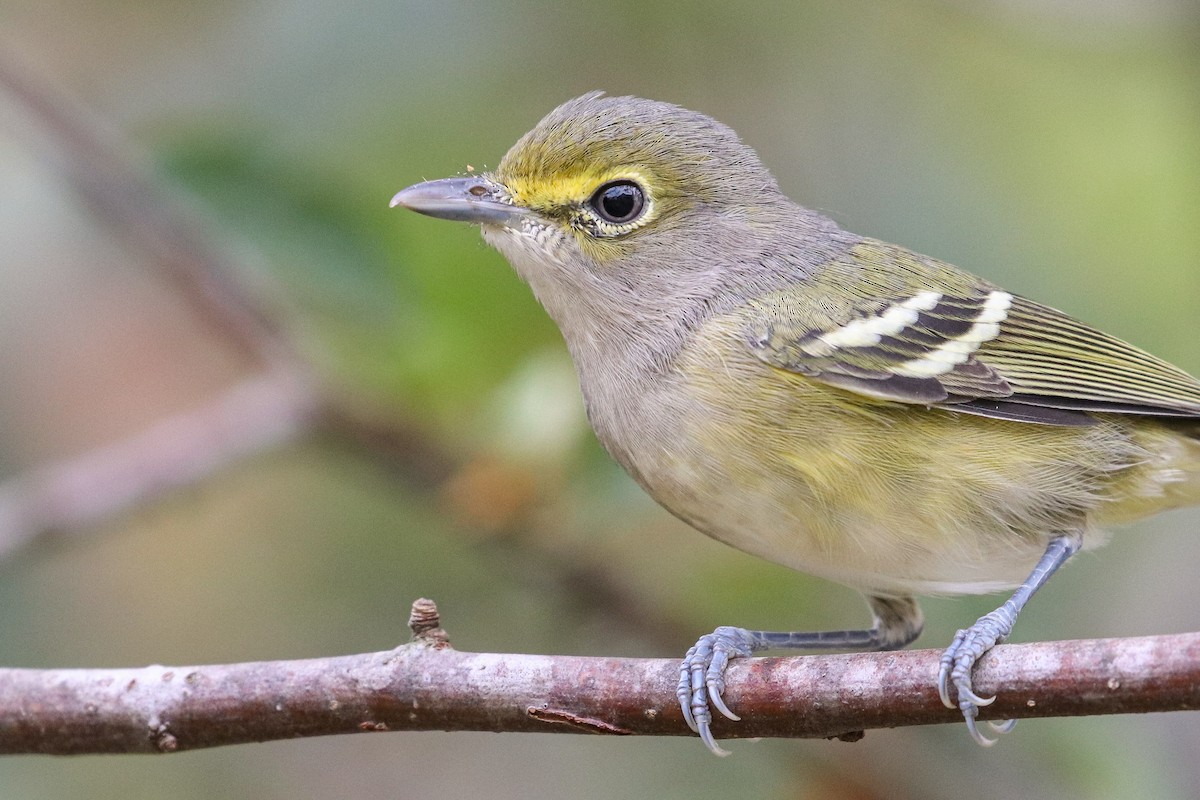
(827, 401)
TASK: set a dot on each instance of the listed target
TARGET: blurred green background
(1052, 145)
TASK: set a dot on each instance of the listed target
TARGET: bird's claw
(959, 660)
(702, 680)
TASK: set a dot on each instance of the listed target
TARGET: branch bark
(427, 685)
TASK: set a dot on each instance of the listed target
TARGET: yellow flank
(896, 498)
(1166, 479)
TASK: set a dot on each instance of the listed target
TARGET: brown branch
(426, 685)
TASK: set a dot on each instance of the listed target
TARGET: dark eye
(619, 202)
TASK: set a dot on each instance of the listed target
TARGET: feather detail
(939, 336)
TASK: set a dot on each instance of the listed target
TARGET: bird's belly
(885, 498)
(863, 546)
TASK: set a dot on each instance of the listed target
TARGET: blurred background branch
(96, 162)
(75, 495)
(275, 407)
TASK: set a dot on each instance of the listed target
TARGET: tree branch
(427, 685)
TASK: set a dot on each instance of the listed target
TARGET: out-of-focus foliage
(1053, 146)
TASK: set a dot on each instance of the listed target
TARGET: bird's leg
(991, 629)
(898, 621)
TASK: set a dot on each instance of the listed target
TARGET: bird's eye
(619, 202)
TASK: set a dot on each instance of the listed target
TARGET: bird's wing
(941, 337)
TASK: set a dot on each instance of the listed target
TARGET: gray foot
(959, 660)
(702, 679)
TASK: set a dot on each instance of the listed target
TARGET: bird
(821, 399)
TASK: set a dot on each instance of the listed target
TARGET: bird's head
(619, 210)
(600, 179)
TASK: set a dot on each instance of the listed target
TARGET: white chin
(532, 246)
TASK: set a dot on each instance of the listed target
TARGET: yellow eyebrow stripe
(543, 191)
